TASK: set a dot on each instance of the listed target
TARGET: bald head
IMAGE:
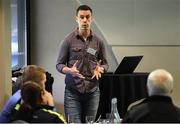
(160, 82)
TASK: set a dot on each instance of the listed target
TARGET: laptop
(128, 64)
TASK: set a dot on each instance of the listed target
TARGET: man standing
(82, 58)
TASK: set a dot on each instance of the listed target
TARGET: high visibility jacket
(39, 114)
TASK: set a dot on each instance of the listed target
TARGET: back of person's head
(31, 93)
(31, 97)
(34, 73)
(83, 7)
(160, 82)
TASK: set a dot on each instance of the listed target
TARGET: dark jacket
(38, 114)
(153, 109)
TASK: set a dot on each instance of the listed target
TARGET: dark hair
(31, 96)
(31, 93)
(83, 7)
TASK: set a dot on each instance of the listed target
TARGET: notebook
(128, 64)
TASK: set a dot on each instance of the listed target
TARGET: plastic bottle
(114, 116)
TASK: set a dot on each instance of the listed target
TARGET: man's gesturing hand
(75, 72)
(98, 71)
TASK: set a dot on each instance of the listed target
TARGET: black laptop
(128, 65)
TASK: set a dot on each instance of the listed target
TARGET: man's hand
(75, 72)
(98, 71)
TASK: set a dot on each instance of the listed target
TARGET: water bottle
(114, 116)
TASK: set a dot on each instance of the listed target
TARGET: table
(127, 88)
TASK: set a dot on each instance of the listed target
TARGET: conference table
(127, 88)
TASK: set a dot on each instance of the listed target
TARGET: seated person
(34, 108)
(158, 106)
(17, 81)
(31, 73)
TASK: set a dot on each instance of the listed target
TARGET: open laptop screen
(128, 64)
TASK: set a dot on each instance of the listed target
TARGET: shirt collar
(159, 98)
(42, 106)
(79, 36)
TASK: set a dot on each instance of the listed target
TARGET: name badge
(91, 51)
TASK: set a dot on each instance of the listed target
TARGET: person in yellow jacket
(33, 109)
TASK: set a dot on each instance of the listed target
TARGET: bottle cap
(114, 100)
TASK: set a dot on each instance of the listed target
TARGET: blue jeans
(80, 105)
